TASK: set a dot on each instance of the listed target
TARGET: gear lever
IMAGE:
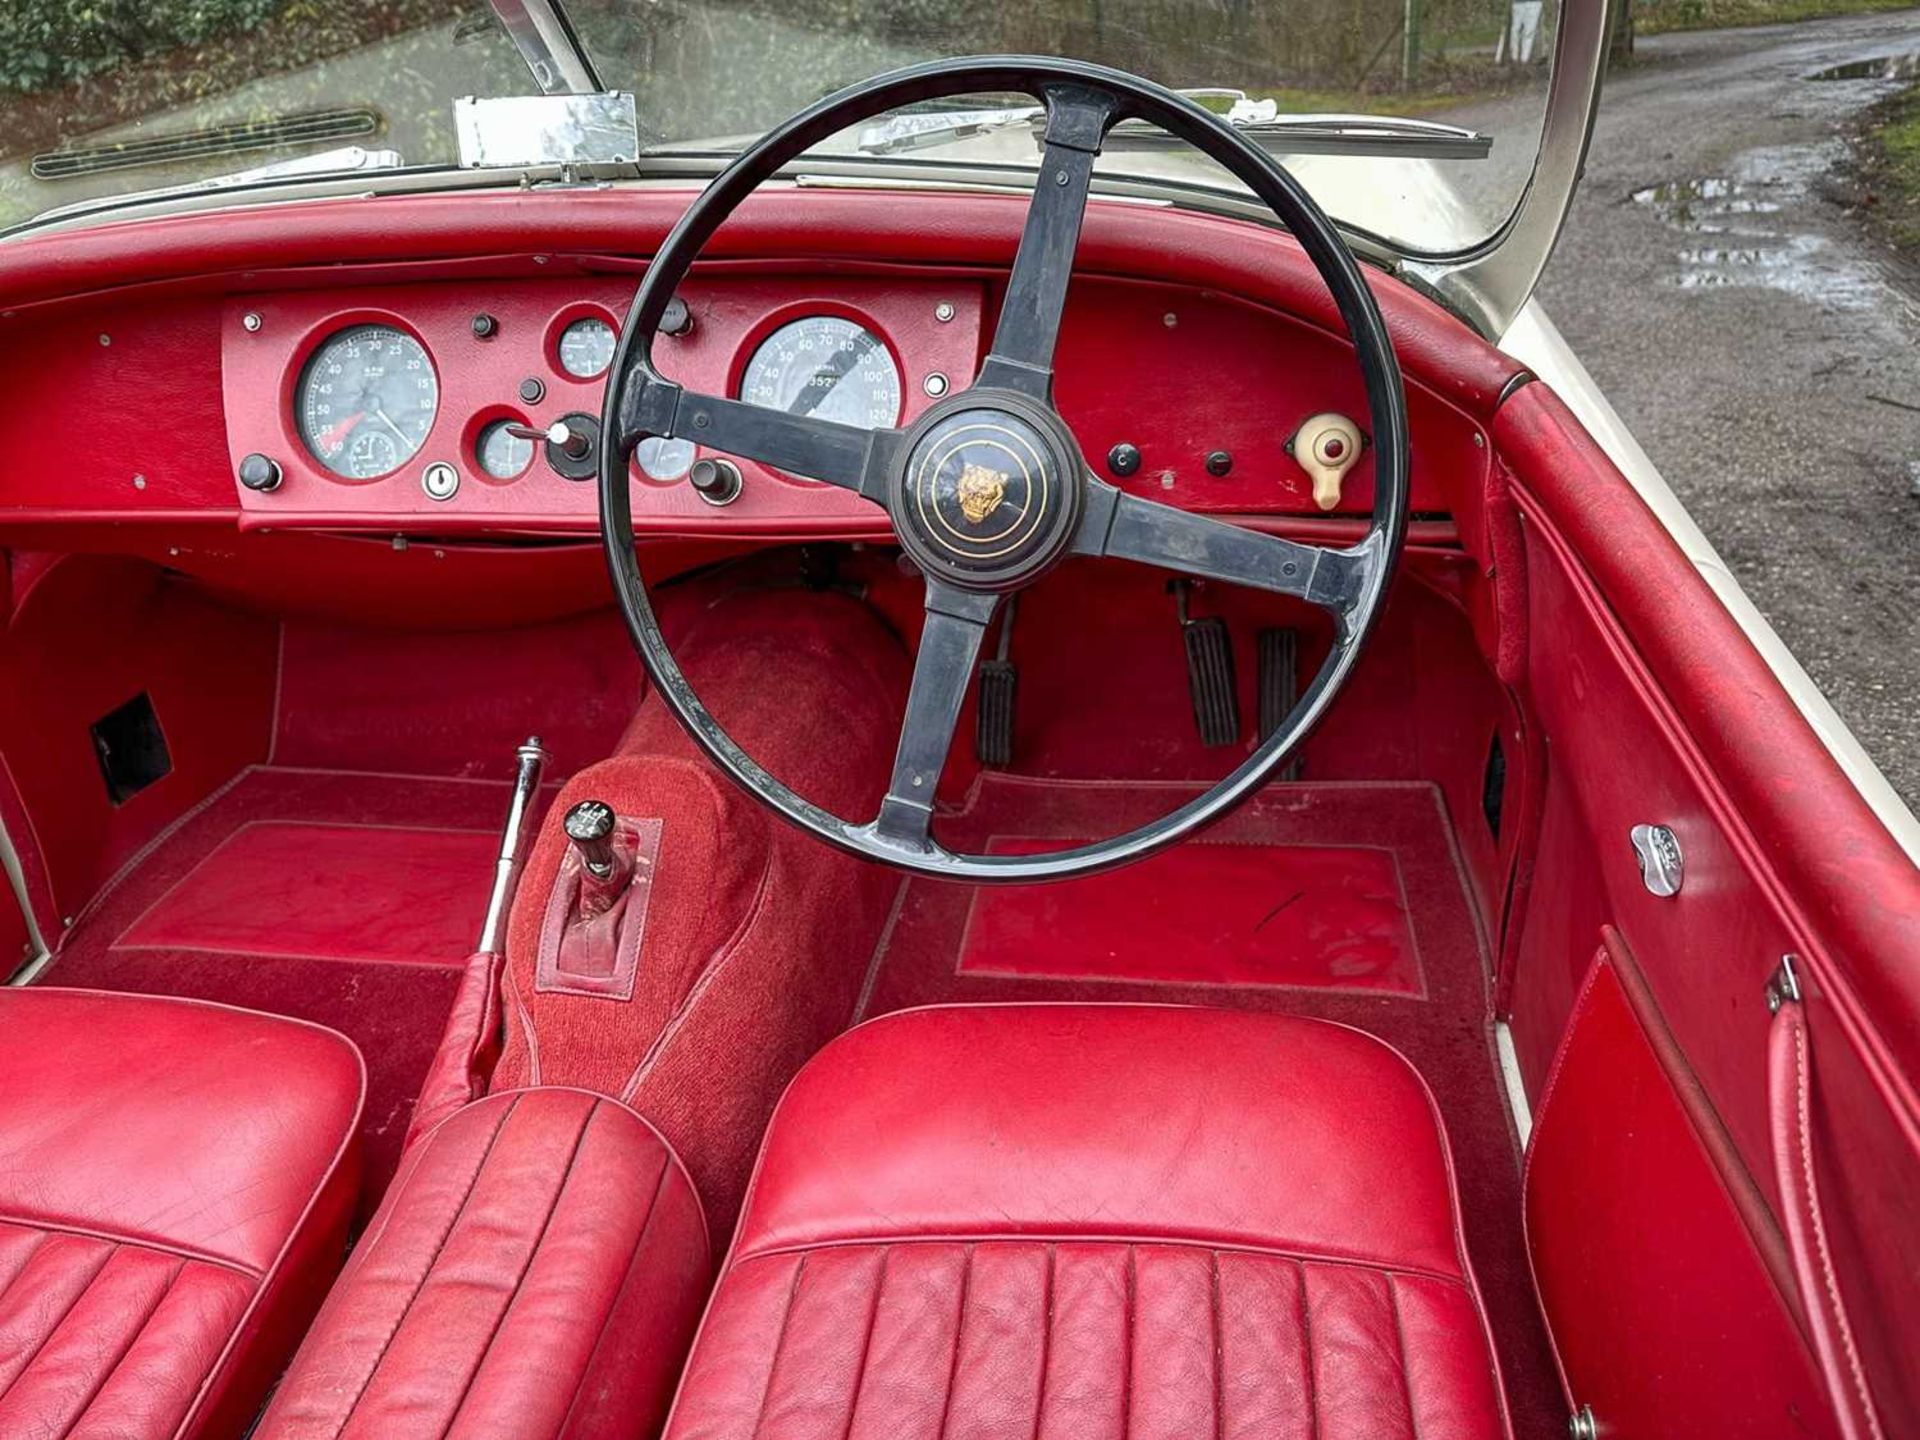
(589, 825)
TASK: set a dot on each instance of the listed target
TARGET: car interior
(788, 811)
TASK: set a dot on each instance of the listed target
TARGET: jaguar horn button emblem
(980, 492)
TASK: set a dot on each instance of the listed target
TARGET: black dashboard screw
(532, 390)
(1219, 464)
(1124, 459)
(485, 327)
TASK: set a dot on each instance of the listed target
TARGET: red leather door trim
(1665, 1318)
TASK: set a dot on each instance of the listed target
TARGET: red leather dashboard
(1185, 336)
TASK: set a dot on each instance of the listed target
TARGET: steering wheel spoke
(1119, 525)
(1022, 355)
(957, 622)
(843, 455)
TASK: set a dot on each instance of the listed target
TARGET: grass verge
(1890, 170)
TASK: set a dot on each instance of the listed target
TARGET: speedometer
(826, 366)
(366, 401)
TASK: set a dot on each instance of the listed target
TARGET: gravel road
(1763, 347)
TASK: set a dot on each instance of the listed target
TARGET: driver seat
(1084, 1222)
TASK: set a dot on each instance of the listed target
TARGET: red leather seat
(1081, 1222)
(535, 1271)
(176, 1180)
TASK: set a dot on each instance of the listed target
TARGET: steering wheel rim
(1082, 102)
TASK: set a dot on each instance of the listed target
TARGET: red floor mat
(307, 893)
(934, 955)
(275, 888)
(1321, 917)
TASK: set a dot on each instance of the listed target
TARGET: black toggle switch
(589, 825)
(574, 451)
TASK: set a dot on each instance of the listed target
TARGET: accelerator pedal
(993, 717)
(1278, 655)
(1216, 704)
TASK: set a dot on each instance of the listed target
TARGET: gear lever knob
(589, 825)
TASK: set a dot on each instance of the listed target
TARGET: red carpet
(273, 888)
(316, 894)
(1440, 1022)
(1321, 917)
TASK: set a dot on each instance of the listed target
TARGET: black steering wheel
(987, 489)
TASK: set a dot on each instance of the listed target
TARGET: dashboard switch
(1219, 464)
(573, 446)
(1326, 447)
(716, 481)
(1124, 459)
(677, 319)
(261, 473)
(485, 327)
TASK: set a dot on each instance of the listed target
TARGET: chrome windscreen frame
(1490, 284)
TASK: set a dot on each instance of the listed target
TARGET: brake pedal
(1216, 705)
(993, 717)
(1278, 654)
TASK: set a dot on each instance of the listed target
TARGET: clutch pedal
(993, 717)
(1278, 655)
(1216, 704)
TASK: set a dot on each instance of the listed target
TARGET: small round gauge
(501, 453)
(366, 401)
(586, 348)
(828, 367)
(664, 459)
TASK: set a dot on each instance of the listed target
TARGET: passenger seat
(176, 1180)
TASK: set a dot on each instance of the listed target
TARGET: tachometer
(366, 401)
(586, 348)
(826, 366)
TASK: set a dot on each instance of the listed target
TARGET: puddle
(1743, 221)
(1880, 67)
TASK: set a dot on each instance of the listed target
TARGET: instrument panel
(439, 401)
(431, 408)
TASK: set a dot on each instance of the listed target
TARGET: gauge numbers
(825, 366)
(586, 348)
(366, 401)
(501, 453)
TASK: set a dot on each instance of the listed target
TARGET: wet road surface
(1762, 345)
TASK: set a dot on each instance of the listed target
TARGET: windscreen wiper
(1260, 120)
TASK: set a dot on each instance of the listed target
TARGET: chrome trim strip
(1511, 1083)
